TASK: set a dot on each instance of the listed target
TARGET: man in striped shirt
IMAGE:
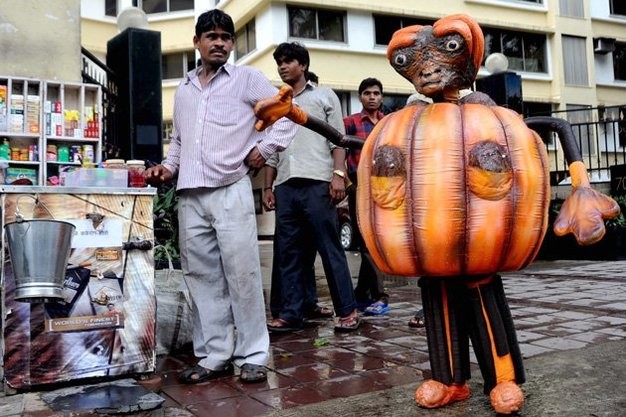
(213, 147)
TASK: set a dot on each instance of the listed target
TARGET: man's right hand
(269, 200)
(157, 175)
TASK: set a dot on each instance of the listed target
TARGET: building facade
(571, 54)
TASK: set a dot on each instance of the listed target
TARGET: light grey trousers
(220, 263)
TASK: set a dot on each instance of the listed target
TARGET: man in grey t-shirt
(310, 181)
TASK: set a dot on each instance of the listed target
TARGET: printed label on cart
(108, 254)
(91, 234)
(112, 319)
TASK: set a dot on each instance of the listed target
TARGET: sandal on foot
(417, 320)
(319, 312)
(376, 309)
(197, 374)
(282, 326)
(251, 373)
(348, 323)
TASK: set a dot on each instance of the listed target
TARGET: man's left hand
(255, 159)
(337, 189)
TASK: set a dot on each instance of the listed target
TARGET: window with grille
(525, 51)
(619, 61)
(178, 64)
(618, 7)
(572, 8)
(575, 60)
(110, 8)
(245, 39)
(163, 6)
(321, 24)
(386, 25)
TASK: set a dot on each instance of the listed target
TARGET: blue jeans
(307, 221)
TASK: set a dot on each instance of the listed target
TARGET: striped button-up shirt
(214, 127)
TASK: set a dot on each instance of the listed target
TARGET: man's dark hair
(212, 20)
(370, 82)
(311, 76)
(291, 51)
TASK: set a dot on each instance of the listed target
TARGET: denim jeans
(307, 221)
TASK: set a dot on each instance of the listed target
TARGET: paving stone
(560, 343)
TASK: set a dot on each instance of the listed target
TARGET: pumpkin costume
(455, 191)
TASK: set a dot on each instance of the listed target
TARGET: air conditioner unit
(603, 45)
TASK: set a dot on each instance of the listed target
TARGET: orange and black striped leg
(495, 343)
(448, 344)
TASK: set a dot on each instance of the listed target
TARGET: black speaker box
(135, 57)
(505, 88)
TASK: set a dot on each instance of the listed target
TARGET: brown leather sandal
(349, 323)
(319, 312)
(282, 326)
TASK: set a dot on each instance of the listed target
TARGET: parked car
(345, 225)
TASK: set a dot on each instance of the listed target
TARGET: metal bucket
(39, 252)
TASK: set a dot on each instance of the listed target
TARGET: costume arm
(270, 110)
(584, 211)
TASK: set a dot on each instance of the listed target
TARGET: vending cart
(82, 307)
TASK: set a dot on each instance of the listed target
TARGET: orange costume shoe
(506, 397)
(433, 394)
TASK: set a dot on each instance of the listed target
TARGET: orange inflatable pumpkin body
(448, 190)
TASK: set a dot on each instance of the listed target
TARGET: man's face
(371, 98)
(215, 46)
(290, 71)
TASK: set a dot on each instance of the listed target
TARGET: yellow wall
(176, 34)
(242, 10)
(610, 96)
(96, 34)
(609, 30)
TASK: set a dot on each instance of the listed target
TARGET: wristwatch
(339, 173)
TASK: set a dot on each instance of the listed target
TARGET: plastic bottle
(5, 150)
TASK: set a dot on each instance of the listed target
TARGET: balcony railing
(96, 72)
(601, 136)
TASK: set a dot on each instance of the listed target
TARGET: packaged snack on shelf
(3, 108)
(33, 110)
(13, 174)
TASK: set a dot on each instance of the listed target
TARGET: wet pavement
(571, 323)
